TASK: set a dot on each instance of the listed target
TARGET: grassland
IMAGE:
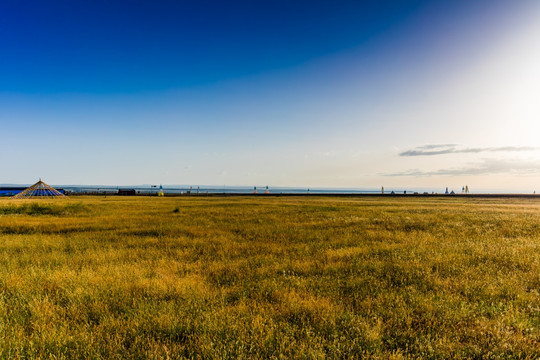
(207, 277)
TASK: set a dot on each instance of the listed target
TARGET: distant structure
(127, 192)
(160, 193)
(466, 189)
(39, 190)
(267, 190)
(254, 189)
(446, 192)
(382, 190)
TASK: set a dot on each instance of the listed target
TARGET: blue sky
(303, 93)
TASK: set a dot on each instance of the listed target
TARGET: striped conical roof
(39, 190)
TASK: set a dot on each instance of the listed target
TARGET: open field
(258, 277)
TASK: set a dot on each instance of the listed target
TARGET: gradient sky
(281, 93)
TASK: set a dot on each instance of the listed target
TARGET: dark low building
(127, 192)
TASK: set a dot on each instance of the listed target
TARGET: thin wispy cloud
(443, 149)
(486, 167)
(436, 146)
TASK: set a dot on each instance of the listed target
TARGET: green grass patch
(38, 208)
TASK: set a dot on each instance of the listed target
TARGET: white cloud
(430, 150)
(485, 167)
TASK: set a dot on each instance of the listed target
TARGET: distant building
(14, 190)
(10, 191)
(127, 192)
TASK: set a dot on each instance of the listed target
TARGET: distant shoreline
(345, 195)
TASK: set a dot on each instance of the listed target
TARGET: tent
(39, 190)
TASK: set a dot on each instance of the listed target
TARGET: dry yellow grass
(263, 277)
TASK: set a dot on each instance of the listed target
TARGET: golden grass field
(270, 277)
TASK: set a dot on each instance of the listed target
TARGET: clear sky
(284, 93)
